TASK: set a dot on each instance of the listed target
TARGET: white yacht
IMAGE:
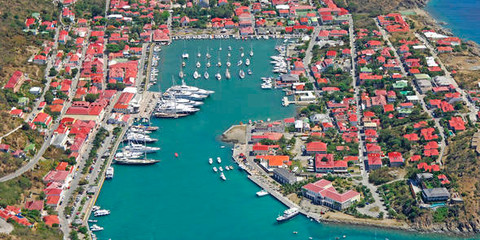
(247, 62)
(206, 75)
(101, 212)
(215, 169)
(196, 75)
(218, 76)
(134, 147)
(128, 154)
(241, 73)
(185, 87)
(288, 214)
(210, 161)
(95, 228)
(219, 160)
(222, 176)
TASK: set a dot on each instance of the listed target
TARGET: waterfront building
(322, 192)
(284, 176)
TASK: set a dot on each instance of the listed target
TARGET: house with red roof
(324, 163)
(260, 149)
(34, 205)
(322, 192)
(15, 81)
(374, 161)
(456, 124)
(43, 120)
(395, 159)
(50, 220)
(316, 147)
(16, 113)
(268, 162)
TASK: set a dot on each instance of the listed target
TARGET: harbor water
(182, 198)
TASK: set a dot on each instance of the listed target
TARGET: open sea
(461, 16)
(182, 198)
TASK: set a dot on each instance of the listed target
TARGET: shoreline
(330, 217)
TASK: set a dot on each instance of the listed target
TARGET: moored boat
(288, 214)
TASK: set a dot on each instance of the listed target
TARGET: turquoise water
(461, 16)
(182, 198)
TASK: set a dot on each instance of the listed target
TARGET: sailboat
(219, 64)
(181, 74)
(183, 64)
(227, 74)
(228, 63)
(199, 54)
(247, 62)
(220, 48)
(242, 54)
(228, 54)
(218, 76)
(241, 73)
(206, 75)
(198, 64)
(208, 64)
(251, 50)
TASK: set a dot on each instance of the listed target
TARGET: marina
(196, 139)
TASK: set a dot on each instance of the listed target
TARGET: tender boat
(210, 161)
(227, 74)
(219, 160)
(222, 176)
(262, 193)
(288, 214)
(109, 173)
(241, 73)
(95, 208)
(215, 169)
(196, 75)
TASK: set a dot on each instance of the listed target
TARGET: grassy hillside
(15, 45)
